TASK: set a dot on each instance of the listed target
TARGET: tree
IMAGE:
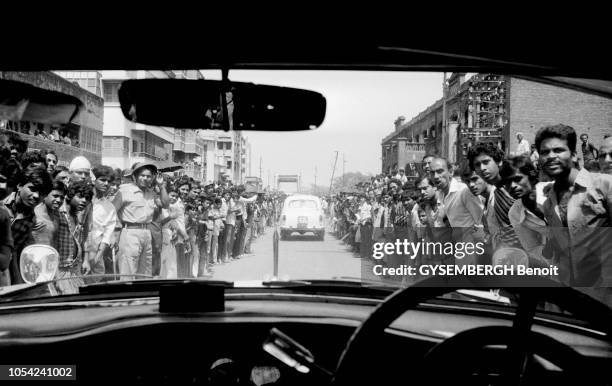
(348, 182)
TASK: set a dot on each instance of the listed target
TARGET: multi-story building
(127, 142)
(189, 151)
(82, 136)
(206, 155)
(491, 108)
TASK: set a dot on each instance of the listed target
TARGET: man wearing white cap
(135, 203)
(80, 168)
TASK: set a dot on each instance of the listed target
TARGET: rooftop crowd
(134, 222)
(546, 205)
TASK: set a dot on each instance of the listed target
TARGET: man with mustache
(577, 210)
(34, 184)
(135, 204)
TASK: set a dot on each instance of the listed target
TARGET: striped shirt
(503, 203)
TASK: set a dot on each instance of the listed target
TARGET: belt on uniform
(132, 225)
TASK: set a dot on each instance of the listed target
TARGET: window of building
(229, 164)
(228, 146)
(110, 91)
(220, 145)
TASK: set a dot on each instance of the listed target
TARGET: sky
(361, 109)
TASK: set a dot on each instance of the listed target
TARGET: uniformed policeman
(135, 203)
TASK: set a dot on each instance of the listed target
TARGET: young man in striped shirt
(486, 159)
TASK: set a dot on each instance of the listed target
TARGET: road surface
(300, 257)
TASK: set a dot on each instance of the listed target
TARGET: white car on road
(303, 214)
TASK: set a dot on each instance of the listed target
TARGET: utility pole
(445, 151)
(260, 167)
(333, 172)
(343, 169)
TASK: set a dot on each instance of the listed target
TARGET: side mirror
(39, 263)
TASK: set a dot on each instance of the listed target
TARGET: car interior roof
(554, 47)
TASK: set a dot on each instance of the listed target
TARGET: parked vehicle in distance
(302, 213)
(288, 183)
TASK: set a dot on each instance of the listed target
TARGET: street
(300, 257)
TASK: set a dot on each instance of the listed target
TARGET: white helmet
(79, 163)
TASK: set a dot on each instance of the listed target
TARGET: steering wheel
(450, 359)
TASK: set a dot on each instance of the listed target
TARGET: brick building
(492, 108)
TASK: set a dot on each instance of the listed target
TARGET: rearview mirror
(38, 263)
(197, 104)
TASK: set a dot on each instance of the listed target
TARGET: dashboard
(131, 341)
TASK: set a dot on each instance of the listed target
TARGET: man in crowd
(230, 224)
(241, 221)
(401, 176)
(427, 159)
(6, 246)
(184, 187)
(135, 204)
(523, 146)
(204, 237)
(35, 183)
(460, 207)
(486, 159)
(80, 168)
(216, 217)
(33, 159)
(589, 152)
(577, 210)
(103, 218)
(72, 232)
(51, 161)
(605, 156)
(46, 215)
(520, 178)
(365, 227)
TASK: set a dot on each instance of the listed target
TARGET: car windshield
(418, 174)
(302, 204)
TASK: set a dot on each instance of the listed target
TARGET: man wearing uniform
(135, 203)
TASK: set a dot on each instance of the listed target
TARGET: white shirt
(365, 212)
(104, 219)
(523, 147)
(231, 215)
(461, 207)
(530, 229)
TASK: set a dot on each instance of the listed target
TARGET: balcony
(415, 146)
(144, 157)
(192, 170)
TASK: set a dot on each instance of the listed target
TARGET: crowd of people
(557, 212)
(105, 221)
(45, 132)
